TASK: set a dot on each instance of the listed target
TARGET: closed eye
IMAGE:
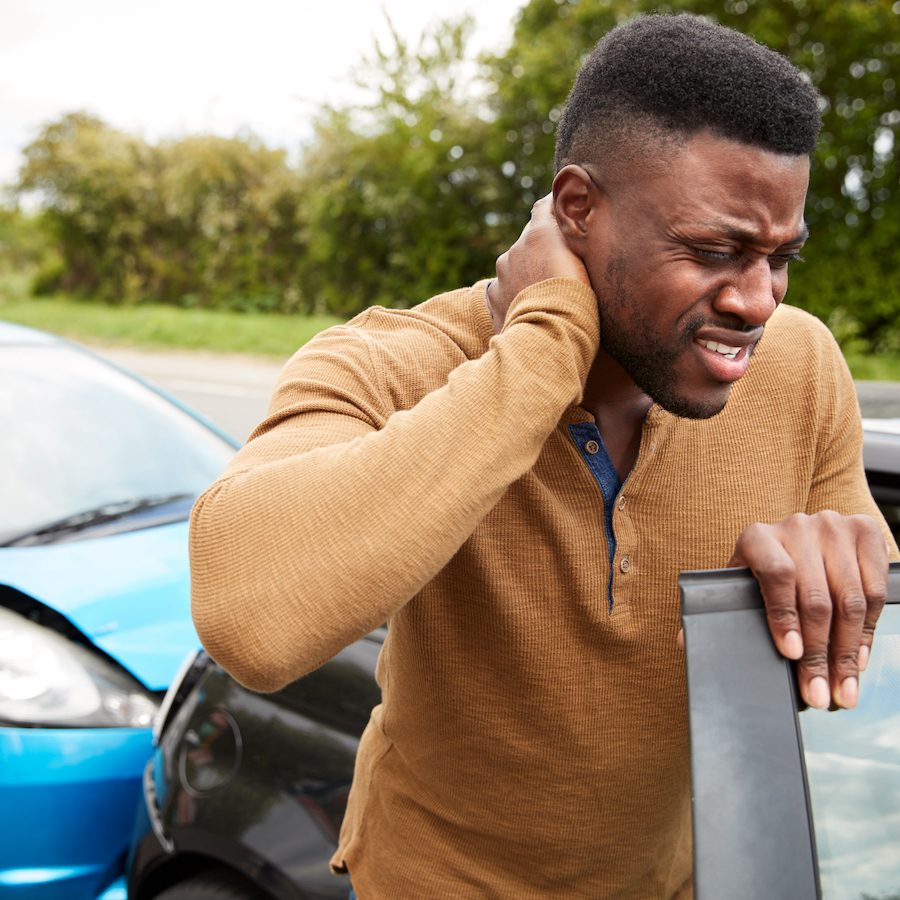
(780, 260)
(719, 255)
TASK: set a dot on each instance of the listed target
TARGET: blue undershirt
(593, 451)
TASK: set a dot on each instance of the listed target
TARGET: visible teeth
(727, 352)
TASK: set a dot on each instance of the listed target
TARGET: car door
(788, 802)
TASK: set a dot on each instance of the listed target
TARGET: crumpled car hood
(129, 593)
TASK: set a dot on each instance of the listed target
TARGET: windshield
(80, 436)
(853, 766)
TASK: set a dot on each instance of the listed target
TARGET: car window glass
(853, 766)
(78, 434)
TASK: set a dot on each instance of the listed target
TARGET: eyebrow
(736, 233)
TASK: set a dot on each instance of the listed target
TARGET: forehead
(737, 190)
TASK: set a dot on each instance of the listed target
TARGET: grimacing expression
(690, 261)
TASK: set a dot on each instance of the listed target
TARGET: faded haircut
(667, 77)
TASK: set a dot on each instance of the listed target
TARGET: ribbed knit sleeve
(839, 480)
(340, 508)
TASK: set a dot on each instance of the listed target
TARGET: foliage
(390, 202)
(397, 192)
(850, 50)
(419, 189)
(200, 221)
(873, 367)
(23, 242)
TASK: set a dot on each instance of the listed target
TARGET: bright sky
(172, 67)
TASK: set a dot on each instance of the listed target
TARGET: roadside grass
(156, 326)
(874, 366)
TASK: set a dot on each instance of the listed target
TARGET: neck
(619, 407)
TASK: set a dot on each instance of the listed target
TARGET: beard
(627, 335)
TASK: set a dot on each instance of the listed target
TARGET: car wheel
(213, 885)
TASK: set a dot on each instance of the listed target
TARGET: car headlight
(47, 680)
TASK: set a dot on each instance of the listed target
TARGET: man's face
(689, 264)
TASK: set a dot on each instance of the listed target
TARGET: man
(513, 475)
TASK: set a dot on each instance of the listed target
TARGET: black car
(246, 792)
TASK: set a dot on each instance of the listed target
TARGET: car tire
(218, 884)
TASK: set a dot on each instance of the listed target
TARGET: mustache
(730, 323)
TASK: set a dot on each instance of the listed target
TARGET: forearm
(308, 543)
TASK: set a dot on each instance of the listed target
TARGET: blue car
(99, 472)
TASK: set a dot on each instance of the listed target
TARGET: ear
(575, 198)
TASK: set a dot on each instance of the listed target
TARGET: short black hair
(678, 75)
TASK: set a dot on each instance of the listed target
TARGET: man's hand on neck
(540, 253)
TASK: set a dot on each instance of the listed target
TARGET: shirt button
(591, 447)
(621, 503)
(625, 564)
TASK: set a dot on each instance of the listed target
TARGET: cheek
(779, 284)
(595, 271)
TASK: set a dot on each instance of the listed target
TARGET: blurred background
(209, 175)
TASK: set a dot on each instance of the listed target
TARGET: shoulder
(455, 319)
(399, 355)
(798, 363)
(792, 329)
(455, 322)
(796, 345)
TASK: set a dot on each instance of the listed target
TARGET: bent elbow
(249, 671)
(256, 607)
(242, 651)
(222, 606)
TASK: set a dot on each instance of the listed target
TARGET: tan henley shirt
(417, 469)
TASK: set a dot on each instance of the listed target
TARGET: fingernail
(818, 693)
(849, 693)
(793, 645)
(863, 658)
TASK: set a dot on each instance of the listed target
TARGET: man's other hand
(824, 581)
(539, 253)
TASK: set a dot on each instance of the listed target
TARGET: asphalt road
(234, 391)
(879, 399)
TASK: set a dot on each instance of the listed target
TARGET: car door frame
(752, 820)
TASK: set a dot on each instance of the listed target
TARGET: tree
(229, 231)
(397, 194)
(203, 220)
(23, 242)
(84, 173)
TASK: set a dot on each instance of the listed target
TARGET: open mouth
(722, 349)
(726, 363)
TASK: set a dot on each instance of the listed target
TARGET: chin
(692, 407)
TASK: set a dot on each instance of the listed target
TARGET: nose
(753, 293)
